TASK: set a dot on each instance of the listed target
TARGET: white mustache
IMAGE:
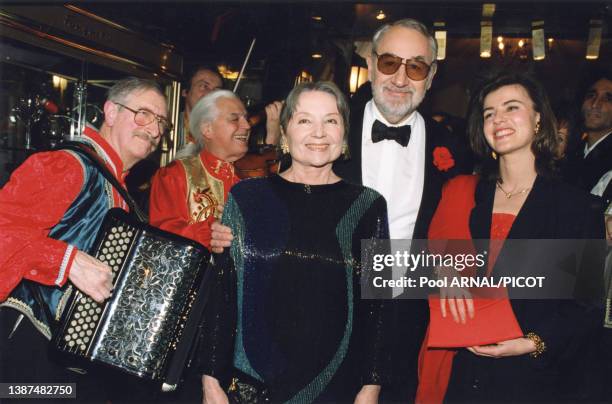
(400, 90)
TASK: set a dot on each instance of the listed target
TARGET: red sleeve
(451, 219)
(33, 201)
(168, 206)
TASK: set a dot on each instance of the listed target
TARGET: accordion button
(33, 272)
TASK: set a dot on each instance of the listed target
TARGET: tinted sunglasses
(416, 70)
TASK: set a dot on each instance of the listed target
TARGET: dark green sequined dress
(287, 308)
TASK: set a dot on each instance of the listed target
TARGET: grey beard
(393, 114)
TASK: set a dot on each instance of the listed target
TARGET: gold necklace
(510, 194)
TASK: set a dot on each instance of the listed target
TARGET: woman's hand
(212, 391)
(511, 347)
(368, 394)
(459, 300)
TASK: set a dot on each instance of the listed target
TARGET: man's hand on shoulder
(221, 237)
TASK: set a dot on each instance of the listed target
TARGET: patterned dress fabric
(290, 289)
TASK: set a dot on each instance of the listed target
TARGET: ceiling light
(440, 35)
(316, 56)
(486, 36)
(381, 15)
(594, 41)
(537, 34)
(488, 9)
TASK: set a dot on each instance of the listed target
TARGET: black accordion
(148, 325)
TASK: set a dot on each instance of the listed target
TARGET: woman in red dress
(515, 196)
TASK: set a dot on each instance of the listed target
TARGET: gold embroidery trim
(27, 311)
(204, 192)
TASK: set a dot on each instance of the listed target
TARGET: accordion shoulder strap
(97, 162)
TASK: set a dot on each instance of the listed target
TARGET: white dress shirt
(396, 172)
(588, 149)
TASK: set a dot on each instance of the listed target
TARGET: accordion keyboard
(86, 313)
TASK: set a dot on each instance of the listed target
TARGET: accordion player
(147, 326)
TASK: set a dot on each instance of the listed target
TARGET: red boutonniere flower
(443, 159)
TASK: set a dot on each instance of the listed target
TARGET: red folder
(493, 321)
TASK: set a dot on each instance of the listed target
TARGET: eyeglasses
(416, 69)
(143, 117)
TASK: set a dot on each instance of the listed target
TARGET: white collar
(588, 149)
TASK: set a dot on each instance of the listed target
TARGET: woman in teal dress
(287, 321)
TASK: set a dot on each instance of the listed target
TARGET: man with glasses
(50, 212)
(189, 194)
(407, 158)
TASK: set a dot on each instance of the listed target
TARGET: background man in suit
(594, 162)
(407, 158)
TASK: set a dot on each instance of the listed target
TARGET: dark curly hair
(545, 144)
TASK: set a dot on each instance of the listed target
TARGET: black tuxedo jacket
(411, 316)
(436, 136)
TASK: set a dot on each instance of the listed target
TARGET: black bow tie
(380, 131)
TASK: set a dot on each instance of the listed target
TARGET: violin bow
(246, 60)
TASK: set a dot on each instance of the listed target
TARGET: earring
(537, 127)
(345, 150)
(494, 155)
(284, 145)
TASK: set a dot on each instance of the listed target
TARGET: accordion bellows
(148, 324)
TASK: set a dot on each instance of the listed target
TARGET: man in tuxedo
(407, 158)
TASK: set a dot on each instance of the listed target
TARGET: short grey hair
(206, 110)
(328, 87)
(123, 88)
(410, 24)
